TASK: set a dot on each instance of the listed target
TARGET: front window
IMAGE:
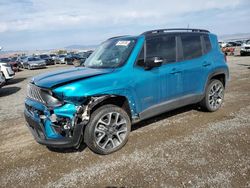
(248, 42)
(163, 47)
(111, 53)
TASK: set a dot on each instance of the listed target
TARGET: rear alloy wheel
(214, 96)
(108, 129)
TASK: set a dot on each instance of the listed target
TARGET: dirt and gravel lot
(182, 148)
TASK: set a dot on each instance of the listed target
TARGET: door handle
(206, 64)
(175, 71)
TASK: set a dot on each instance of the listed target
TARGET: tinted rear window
(191, 46)
(164, 47)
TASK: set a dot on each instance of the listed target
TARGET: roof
(184, 30)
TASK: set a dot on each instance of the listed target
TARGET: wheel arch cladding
(118, 100)
(219, 74)
(221, 77)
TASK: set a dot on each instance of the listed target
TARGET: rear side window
(163, 47)
(207, 43)
(191, 45)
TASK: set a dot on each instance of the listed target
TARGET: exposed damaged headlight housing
(42, 95)
(50, 99)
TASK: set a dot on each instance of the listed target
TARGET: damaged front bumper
(42, 124)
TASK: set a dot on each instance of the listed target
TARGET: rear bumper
(37, 66)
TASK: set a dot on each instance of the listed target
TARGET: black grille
(247, 47)
(34, 93)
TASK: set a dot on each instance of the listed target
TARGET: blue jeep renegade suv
(125, 80)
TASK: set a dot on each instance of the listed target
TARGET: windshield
(6, 60)
(44, 56)
(248, 42)
(33, 59)
(62, 55)
(112, 53)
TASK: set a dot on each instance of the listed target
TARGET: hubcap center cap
(111, 130)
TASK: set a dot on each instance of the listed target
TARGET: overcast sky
(47, 24)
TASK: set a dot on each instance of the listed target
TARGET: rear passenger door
(194, 62)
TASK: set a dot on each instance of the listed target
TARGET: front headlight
(49, 99)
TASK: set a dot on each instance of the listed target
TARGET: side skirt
(170, 105)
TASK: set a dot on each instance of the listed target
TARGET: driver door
(158, 85)
(146, 84)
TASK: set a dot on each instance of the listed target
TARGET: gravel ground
(181, 148)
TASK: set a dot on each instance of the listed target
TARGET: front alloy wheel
(108, 129)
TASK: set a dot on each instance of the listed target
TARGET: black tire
(96, 130)
(212, 102)
(4, 79)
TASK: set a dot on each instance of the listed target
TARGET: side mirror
(153, 62)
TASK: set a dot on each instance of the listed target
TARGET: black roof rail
(118, 37)
(174, 30)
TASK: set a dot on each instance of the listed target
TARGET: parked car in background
(239, 41)
(20, 61)
(85, 56)
(127, 79)
(222, 44)
(48, 60)
(242, 50)
(34, 62)
(2, 79)
(229, 48)
(60, 59)
(14, 64)
(8, 61)
(77, 58)
(6, 71)
(72, 57)
(53, 57)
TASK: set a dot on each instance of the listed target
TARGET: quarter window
(140, 60)
(163, 47)
(191, 46)
(207, 43)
